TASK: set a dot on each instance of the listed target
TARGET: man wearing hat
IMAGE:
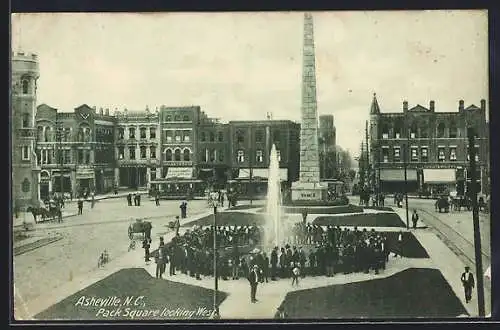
(468, 283)
(253, 278)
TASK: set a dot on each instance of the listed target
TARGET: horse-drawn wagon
(140, 227)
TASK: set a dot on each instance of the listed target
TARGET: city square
(169, 213)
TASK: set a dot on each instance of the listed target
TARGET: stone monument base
(309, 191)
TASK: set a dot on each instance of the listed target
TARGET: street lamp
(215, 204)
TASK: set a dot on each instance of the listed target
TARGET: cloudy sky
(239, 66)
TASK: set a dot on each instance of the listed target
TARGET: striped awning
(398, 175)
(439, 175)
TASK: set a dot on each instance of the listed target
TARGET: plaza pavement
(270, 295)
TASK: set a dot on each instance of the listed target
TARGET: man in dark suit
(468, 283)
(253, 278)
(274, 263)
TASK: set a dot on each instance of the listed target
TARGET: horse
(38, 211)
(442, 204)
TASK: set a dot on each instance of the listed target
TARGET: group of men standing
(135, 197)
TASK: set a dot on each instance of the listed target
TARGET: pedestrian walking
(129, 199)
(414, 219)
(157, 198)
(160, 259)
(253, 278)
(146, 246)
(468, 283)
(177, 225)
(80, 206)
(295, 275)
(183, 208)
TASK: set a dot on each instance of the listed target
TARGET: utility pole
(475, 218)
(250, 187)
(405, 162)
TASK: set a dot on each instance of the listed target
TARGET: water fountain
(273, 229)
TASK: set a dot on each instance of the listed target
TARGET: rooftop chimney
(483, 104)
(431, 105)
(405, 106)
(461, 105)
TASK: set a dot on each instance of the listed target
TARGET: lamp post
(215, 204)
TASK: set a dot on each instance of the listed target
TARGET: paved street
(37, 272)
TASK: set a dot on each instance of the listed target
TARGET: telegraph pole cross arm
(471, 134)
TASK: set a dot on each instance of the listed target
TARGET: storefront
(439, 181)
(393, 181)
(178, 183)
(84, 181)
(105, 180)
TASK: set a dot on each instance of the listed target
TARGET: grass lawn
(385, 219)
(135, 282)
(409, 294)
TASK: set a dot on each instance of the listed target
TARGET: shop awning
(439, 175)
(398, 175)
(262, 173)
(179, 173)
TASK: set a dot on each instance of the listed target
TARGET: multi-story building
(433, 146)
(137, 151)
(75, 150)
(213, 150)
(327, 144)
(250, 147)
(25, 172)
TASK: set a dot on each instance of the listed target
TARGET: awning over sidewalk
(398, 175)
(441, 175)
(179, 172)
(262, 173)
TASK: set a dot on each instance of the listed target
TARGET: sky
(240, 66)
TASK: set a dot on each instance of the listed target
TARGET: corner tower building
(309, 186)
(25, 73)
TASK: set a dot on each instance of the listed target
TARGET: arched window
(26, 85)
(398, 129)
(212, 155)
(413, 130)
(185, 118)
(187, 155)
(168, 118)
(424, 130)
(47, 134)
(177, 118)
(240, 136)
(168, 155)
(384, 131)
(453, 130)
(177, 155)
(440, 130)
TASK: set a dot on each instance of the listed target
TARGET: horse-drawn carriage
(49, 212)
(140, 227)
(442, 204)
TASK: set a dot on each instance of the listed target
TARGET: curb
(35, 245)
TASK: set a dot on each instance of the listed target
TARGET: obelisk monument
(309, 186)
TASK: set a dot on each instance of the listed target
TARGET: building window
(212, 137)
(276, 136)
(453, 130)
(221, 136)
(441, 155)
(241, 156)
(397, 154)
(152, 133)
(414, 154)
(177, 118)
(178, 136)
(187, 136)
(204, 155)
(259, 158)
(212, 155)
(187, 155)
(26, 85)
(185, 118)
(26, 120)
(131, 151)
(26, 152)
(278, 153)
(67, 157)
(385, 155)
(131, 133)
(259, 136)
(440, 130)
(87, 157)
(121, 152)
(203, 136)
(398, 128)
(240, 137)
(384, 131)
(143, 132)
(413, 131)
(121, 133)
(177, 155)
(80, 156)
(424, 133)
(152, 173)
(168, 118)
(143, 152)
(152, 152)
(453, 153)
(168, 135)
(168, 155)
(221, 155)
(476, 150)
(424, 154)
(26, 186)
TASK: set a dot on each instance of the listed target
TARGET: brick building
(432, 144)
(25, 171)
(137, 150)
(250, 147)
(75, 150)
